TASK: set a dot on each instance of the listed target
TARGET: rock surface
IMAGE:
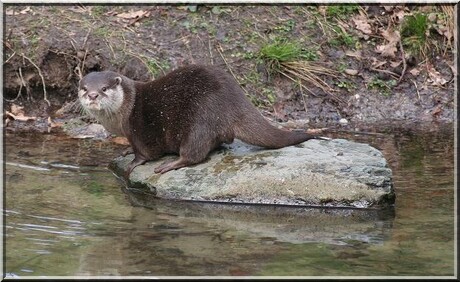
(336, 173)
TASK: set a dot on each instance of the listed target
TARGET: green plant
(381, 85)
(283, 51)
(415, 32)
(341, 11)
(345, 85)
(342, 38)
(155, 67)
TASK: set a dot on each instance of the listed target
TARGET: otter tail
(256, 130)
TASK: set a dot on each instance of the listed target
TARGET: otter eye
(104, 89)
(84, 88)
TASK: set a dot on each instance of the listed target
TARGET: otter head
(101, 92)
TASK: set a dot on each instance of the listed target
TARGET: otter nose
(92, 95)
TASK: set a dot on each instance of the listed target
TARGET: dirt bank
(47, 48)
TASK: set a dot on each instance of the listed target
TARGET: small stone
(343, 121)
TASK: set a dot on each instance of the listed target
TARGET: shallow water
(66, 214)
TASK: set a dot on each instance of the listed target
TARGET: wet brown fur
(190, 112)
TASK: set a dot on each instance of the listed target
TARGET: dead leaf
(17, 110)
(351, 72)
(437, 111)
(355, 54)
(395, 64)
(398, 16)
(17, 113)
(389, 49)
(435, 77)
(414, 71)
(25, 11)
(322, 10)
(388, 8)
(120, 140)
(19, 117)
(9, 12)
(52, 124)
(376, 63)
(133, 15)
(361, 24)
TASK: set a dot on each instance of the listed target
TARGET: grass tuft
(415, 33)
(292, 61)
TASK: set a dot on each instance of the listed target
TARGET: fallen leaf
(398, 16)
(351, 72)
(376, 63)
(17, 110)
(120, 140)
(395, 64)
(25, 11)
(19, 117)
(436, 77)
(437, 111)
(389, 49)
(133, 15)
(414, 71)
(355, 54)
(17, 113)
(52, 124)
(9, 12)
(322, 10)
(388, 8)
(361, 24)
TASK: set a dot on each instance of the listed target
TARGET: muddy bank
(49, 47)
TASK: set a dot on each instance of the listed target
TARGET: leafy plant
(381, 85)
(294, 62)
(415, 32)
(341, 11)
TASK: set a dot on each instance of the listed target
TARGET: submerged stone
(336, 173)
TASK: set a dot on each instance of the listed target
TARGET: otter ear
(118, 80)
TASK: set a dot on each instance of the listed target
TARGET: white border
(237, 2)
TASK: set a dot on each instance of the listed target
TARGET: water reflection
(67, 215)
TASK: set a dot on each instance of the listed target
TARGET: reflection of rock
(283, 224)
(317, 172)
(189, 238)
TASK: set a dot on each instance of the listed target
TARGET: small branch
(385, 71)
(416, 88)
(403, 61)
(303, 96)
(23, 83)
(41, 76)
(219, 48)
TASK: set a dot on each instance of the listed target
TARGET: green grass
(383, 86)
(341, 11)
(283, 51)
(414, 32)
(342, 38)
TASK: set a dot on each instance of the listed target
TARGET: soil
(55, 45)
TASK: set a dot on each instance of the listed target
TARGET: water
(67, 215)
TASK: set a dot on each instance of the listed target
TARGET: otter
(189, 112)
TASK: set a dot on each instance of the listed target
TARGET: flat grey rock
(335, 173)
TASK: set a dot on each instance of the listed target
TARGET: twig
(9, 58)
(416, 88)
(41, 76)
(385, 71)
(219, 48)
(403, 61)
(20, 87)
(303, 96)
(210, 52)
